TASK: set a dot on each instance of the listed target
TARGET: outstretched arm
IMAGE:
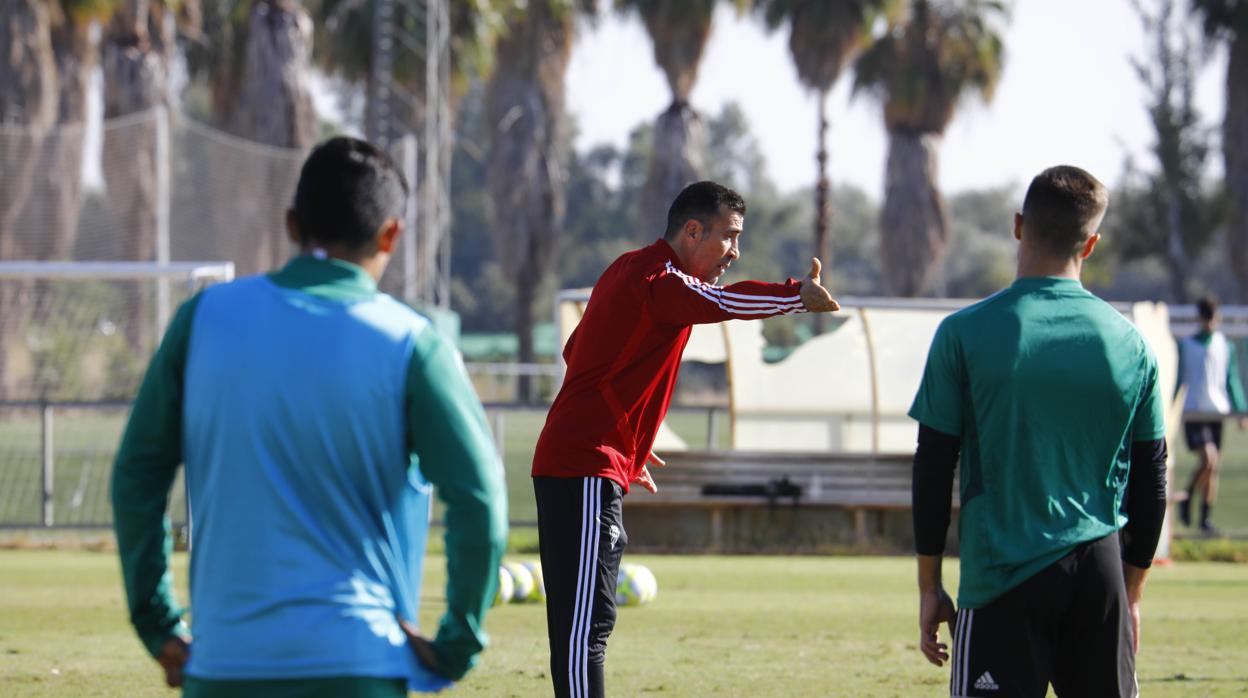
(678, 298)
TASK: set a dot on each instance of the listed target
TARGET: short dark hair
(1207, 306)
(701, 201)
(1063, 208)
(347, 189)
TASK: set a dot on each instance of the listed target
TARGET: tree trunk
(134, 81)
(526, 172)
(914, 225)
(1176, 254)
(1235, 157)
(273, 107)
(676, 160)
(526, 299)
(28, 102)
(822, 214)
(59, 177)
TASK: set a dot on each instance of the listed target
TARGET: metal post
(383, 72)
(163, 193)
(46, 459)
(430, 230)
(498, 423)
(409, 229)
(873, 367)
(712, 431)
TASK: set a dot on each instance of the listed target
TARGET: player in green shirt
(1050, 397)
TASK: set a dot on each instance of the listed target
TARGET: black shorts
(1067, 625)
(1200, 433)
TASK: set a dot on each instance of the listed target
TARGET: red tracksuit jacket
(624, 355)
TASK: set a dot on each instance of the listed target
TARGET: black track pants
(581, 531)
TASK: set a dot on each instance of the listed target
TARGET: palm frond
(926, 63)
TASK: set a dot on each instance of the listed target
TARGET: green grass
(721, 626)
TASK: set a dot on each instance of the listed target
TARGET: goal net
(75, 339)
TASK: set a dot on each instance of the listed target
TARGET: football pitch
(721, 626)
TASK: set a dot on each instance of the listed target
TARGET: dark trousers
(582, 537)
(1068, 624)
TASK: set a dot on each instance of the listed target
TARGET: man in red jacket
(622, 364)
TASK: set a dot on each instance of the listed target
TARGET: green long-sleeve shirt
(447, 437)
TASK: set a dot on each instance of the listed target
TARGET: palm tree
(344, 43)
(942, 50)
(526, 166)
(28, 102)
(76, 58)
(256, 59)
(136, 48)
(679, 30)
(1227, 20)
(344, 47)
(824, 35)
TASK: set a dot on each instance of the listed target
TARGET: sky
(1068, 95)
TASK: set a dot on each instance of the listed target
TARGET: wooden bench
(720, 481)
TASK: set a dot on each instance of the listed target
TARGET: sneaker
(1208, 530)
(1185, 512)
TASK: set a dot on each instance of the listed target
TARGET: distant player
(312, 413)
(1050, 396)
(1209, 369)
(622, 364)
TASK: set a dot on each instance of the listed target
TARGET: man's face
(713, 246)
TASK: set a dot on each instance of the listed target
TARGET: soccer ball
(522, 581)
(538, 593)
(635, 585)
(506, 587)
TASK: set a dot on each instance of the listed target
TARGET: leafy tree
(982, 250)
(1167, 210)
(1227, 21)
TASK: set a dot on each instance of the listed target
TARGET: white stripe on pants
(586, 582)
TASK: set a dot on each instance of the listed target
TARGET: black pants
(581, 530)
(1067, 624)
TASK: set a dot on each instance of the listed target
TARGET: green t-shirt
(1047, 386)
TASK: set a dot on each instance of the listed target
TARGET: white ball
(646, 581)
(522, 581)
(635, 585)
(506, 587)
(539, 582)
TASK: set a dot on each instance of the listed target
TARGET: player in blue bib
(1047, 400)
(313, 415)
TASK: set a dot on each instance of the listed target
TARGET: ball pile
(520, 582)
(635, 586)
